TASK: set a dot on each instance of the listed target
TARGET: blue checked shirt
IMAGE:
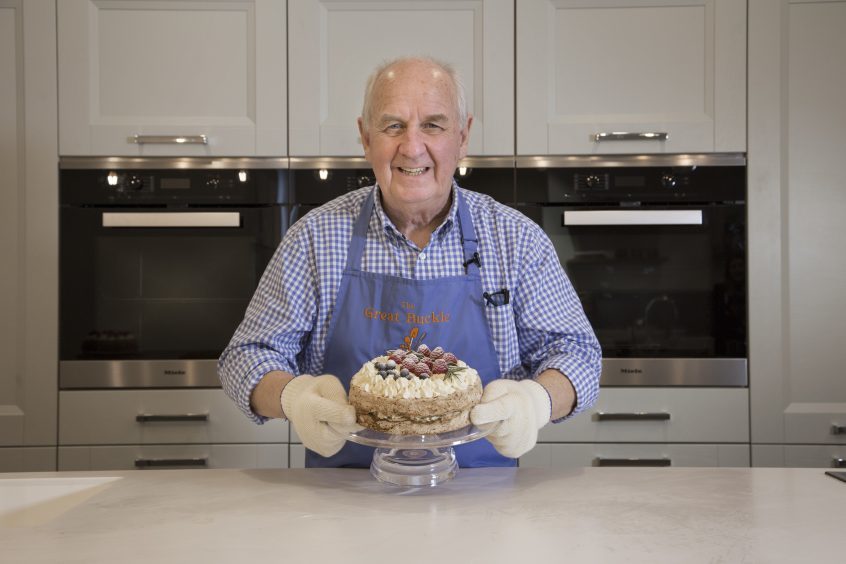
(286, 324)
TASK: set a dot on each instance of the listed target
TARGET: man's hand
(523, 407)
(318, 408)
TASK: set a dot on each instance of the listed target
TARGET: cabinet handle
(168, 139)
(630, 136)
(651, 462)
(838, 429)
(638, 416)
(170, 462)
(156, 418)
(838, 462)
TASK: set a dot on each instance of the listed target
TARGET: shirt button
(422, 256)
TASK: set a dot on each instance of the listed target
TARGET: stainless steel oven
(158, 261)
(656, 249)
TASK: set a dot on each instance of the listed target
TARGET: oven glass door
(657, 282)
(147, 283)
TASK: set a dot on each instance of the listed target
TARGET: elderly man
(417, 237)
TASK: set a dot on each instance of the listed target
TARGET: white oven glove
(318, 408)
(523, 406)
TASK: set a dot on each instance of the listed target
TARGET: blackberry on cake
(419, 392)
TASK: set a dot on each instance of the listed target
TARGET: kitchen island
(757, 515)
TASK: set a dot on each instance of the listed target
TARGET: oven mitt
(523, 406)
(318, 408)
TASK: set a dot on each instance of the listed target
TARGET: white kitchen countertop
(680, 515)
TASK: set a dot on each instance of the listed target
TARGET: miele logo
(174, 372)
(631, 371)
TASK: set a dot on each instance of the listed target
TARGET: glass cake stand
(417, 460)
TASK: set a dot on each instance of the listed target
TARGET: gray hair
(458, 85)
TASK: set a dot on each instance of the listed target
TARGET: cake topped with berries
(417, 392)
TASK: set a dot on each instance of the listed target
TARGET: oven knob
(669, 181)
(134, 182)
(592, 181)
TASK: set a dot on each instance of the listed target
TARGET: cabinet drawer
(581, 455)
(815, 423)
(669, 415)
(799, 456)
(157, 417)
(173, 456)
(27, 459)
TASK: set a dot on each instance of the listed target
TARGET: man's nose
(413, 143)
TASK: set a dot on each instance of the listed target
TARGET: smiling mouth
(412, 171)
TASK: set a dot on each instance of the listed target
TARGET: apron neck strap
(359, 235)
(469, 243)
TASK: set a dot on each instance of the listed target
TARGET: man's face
(414, 140)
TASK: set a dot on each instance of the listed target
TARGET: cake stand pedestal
(417, 460)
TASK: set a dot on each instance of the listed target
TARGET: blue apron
(376, 312)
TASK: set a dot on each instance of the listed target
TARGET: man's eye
(431, 126)
(393, 127)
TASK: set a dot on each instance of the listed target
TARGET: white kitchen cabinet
(587, 68)
(122, 429)
(152, 457)
(608, 454)
(658, 415)
(797, 206)
(27, 459)
(115, 417)
(28, 235)
(799, 456)
(335, 45)
(136, 77)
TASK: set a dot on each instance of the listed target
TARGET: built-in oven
(656, 249)
(158, 261)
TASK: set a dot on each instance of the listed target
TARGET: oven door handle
(171, 219)
(631, 217)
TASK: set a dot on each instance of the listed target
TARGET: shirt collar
(385, 223)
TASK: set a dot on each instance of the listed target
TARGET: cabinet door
(639, 67)
(158, 417)
(581, 455)
(167, 71)
(659, 415)
(797, 206)
(799, 456)
(336, 44)
(152, 457)
(28, 227)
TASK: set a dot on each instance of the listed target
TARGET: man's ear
(363, 136)
(465, 137)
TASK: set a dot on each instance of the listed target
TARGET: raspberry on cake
(415, 392)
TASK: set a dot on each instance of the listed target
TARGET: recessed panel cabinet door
(28, 236)
(187, 78)
(335, 44)
(640, 76)
(797, 207)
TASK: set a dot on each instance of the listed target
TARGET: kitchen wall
(768, 82)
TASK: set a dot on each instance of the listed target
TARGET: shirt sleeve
(552, 329)
(278, 320)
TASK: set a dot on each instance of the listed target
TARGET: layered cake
(416, 392)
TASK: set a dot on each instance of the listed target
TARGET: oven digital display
(176, 183)
(629, 181)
